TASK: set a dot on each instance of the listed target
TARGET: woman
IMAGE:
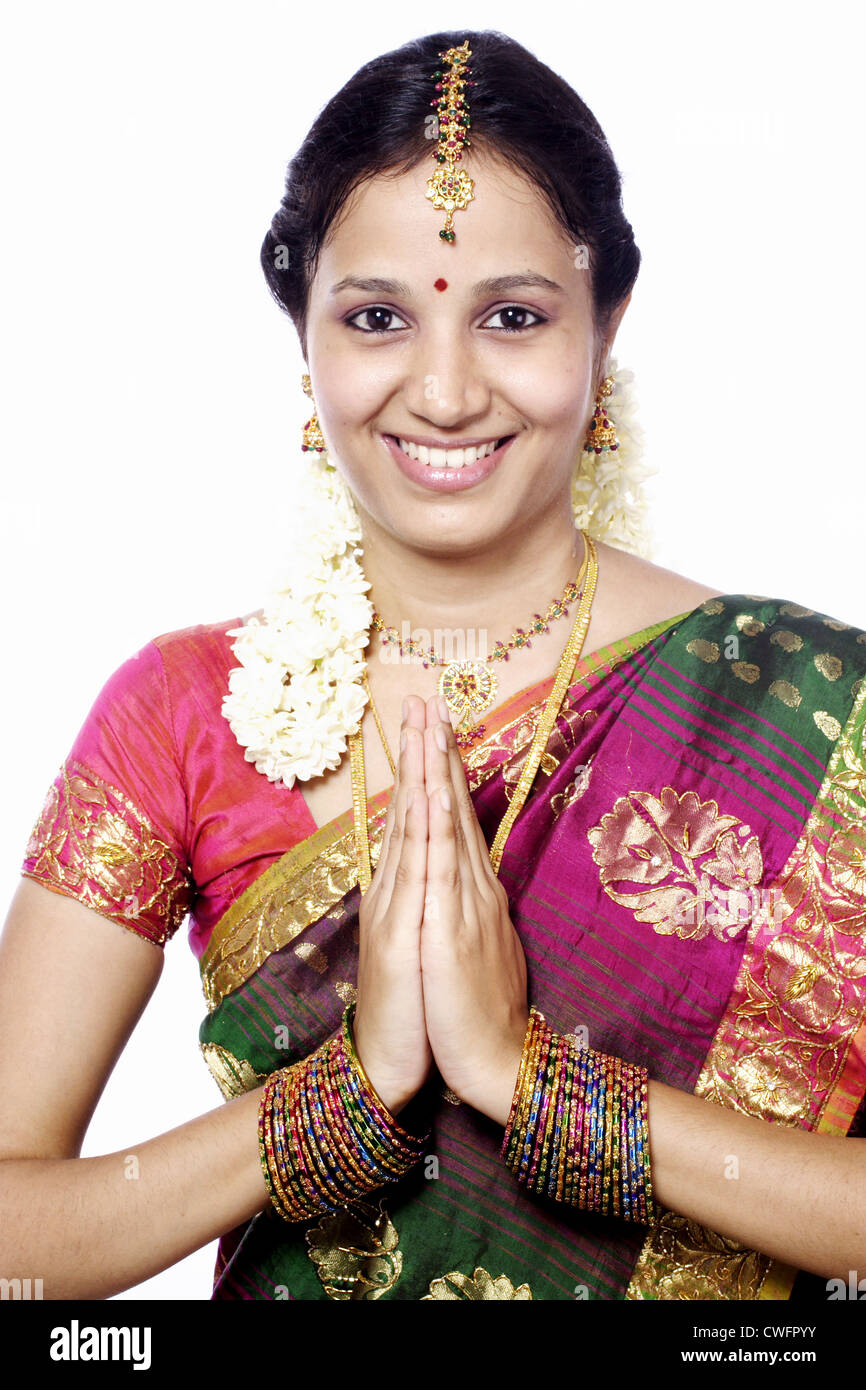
(652, 834)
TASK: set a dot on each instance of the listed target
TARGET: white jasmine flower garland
(298, 691)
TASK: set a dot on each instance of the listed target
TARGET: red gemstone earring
(312, 439)
(601, 435)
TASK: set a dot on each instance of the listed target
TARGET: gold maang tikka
(451, 188)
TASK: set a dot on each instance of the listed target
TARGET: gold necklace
(570, 656)
(469, 686)
(379, 725)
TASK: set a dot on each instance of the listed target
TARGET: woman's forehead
(388, 223)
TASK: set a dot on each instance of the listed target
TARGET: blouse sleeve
(113, 830)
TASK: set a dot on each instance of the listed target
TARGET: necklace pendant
(468, 688)
(466, 738)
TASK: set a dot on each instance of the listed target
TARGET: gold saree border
(797, 980)
(310, 879)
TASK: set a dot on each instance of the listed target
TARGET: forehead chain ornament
(451, 188)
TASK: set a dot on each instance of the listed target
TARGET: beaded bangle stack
(577, 1130)
(325, 1138)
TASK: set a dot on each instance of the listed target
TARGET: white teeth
(447, 458)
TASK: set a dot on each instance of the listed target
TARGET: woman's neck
(493, 591)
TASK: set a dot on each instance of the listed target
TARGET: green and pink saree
(688, 879)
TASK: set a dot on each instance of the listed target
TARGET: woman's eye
(375, 320)
(516, 318)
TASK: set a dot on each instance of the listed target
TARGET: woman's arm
(72, 987)
(794, 1195)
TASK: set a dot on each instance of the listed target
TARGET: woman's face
(491, 337)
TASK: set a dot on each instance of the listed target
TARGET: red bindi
(440, 284)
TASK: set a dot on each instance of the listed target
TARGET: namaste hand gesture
(441, 971)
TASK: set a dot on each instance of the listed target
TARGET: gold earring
(312, 438)
(601, 436)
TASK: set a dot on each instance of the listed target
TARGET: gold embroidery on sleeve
(92, 843)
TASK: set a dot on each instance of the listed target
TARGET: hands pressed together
(441, 971)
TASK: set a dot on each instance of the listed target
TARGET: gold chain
(379, 725)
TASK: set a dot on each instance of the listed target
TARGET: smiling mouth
(449, 458)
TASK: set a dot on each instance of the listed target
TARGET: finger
(446, 769)
(414, 714)
(409, 883)
(444, 904)
(387, 831)
(410, 771)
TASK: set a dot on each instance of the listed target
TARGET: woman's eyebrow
(498, 284)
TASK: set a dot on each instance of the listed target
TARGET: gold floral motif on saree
(355, 1252)
(234, 1075)
(92, 843)
(678, 863)
(787, 640)
(792, 1042)
(575, 789)
(682, 1260)
(479, 1285)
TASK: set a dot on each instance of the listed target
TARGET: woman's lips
(446, 479)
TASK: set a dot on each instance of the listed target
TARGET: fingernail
(403, 741)
(444, 713)
(441, 739)
(445, 798)
(405, 711)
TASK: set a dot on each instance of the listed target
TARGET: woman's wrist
(325, 1137)
(577, 1127)
(495, 1090)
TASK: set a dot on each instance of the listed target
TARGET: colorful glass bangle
(325, 1138)
(577, 1128)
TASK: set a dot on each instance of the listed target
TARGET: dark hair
(521, 111)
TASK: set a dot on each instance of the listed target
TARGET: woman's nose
(445, 383)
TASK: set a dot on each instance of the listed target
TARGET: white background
(153, 406)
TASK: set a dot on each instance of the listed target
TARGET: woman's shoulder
(645, 593)
(658, 593)
(788, 663)
(200, 653)
(201, 637)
